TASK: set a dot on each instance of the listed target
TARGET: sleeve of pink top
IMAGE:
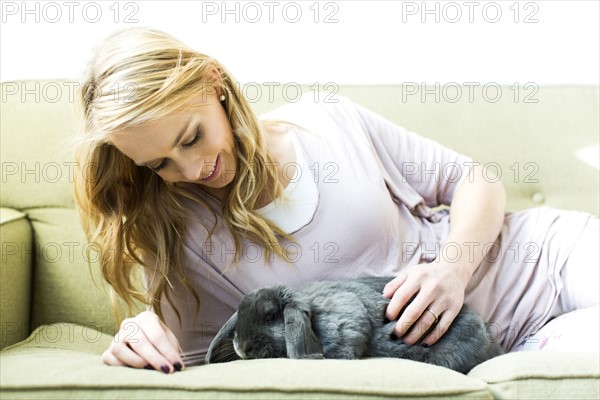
(433, 170)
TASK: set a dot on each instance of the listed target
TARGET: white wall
(546, 42)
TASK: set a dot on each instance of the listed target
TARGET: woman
(183, 179)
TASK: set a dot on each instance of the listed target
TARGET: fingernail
(177, 366)
(165, 369)
(148, 366)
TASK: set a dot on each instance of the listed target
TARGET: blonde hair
(139, 75)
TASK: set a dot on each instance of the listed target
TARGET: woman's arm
(476, 215)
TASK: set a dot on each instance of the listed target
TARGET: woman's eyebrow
(177, 139)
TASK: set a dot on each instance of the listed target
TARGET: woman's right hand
(144, 341)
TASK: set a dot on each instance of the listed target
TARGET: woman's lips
(214, 172)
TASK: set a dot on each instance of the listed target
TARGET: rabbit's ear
(221, 348)
(301, 340)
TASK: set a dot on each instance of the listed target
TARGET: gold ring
(434, 315)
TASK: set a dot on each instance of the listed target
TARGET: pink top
(377, 183)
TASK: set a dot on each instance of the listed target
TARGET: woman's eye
(194, 140)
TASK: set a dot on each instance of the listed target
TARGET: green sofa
(55, 314)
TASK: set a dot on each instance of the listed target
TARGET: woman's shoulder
(319, 115)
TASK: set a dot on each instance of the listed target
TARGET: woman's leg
(580, 273)
(577, 325)
(578, 330)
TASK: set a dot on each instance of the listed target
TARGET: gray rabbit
(344, 320)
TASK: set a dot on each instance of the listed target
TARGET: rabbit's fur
(344, 320)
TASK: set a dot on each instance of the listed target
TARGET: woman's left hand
(438, 289)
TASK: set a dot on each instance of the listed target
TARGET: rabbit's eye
(269, 317)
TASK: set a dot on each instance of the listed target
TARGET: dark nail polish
(177, 366)
(148, 366)
(165, 369)
(425, 345)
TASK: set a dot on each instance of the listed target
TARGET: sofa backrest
(37, 178)
(536, 138)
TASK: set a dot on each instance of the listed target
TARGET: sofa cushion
(65, 360)
(15, 276)
(65, 289)
(542, 375)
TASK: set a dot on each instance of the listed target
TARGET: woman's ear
(221, 348)
(300, 337)
(217, 78)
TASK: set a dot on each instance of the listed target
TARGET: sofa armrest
(16, 268)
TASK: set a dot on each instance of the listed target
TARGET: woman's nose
(191, 170)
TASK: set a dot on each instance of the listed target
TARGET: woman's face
(195, 145)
